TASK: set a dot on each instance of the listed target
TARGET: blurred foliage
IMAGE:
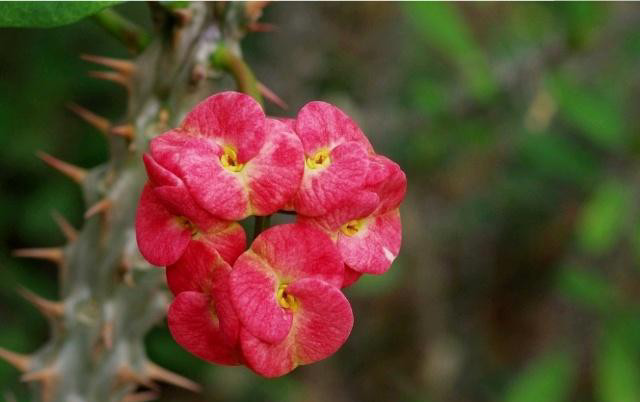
(516, 125)
(47, 14)
(547, 379)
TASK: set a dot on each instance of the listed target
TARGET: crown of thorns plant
(277, 304)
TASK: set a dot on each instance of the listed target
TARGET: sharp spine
(99, 122)
(100, 206)
(127, 374)
(65, 227)
(76, 173)
(126, 131)
(125, 67)
(53, 254)
(107, 334)
(112, 76)
(272, 96)
(161, 374)
(48, 308)
(44, 374)
(47, 377)
(17, 360)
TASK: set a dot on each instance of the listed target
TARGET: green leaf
(586, 288)
(548, 378)
(617, 371)
(442, 26)
(43, 14)
(604, 217)
(598, 117)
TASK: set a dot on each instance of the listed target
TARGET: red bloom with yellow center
(336, 158)
(367, 228)
(285, 291)
(168, 219)
(234, 161)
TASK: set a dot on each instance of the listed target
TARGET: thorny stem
(133, 37)
(224, 59)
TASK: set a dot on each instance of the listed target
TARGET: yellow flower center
(186, 223)
(229, 159)
(319, 160)
(285, 300)
(352, 227)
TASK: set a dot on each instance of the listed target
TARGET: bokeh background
(517, 126)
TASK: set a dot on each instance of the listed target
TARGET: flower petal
(295, 251)
(323, 189)
(387, 179)
(253, 294)
(175, 195)
(158, 175)
(323, 125)
(322, 323)
(197, 162)
(350, 277)
(179, 202)
(197, 269)
(194, 325)
(231, 118)
(161, 239)
(374, 247)
(228, 238)
(289, 122)
(361, 205)
(274, 175)
(201, 269)
(169, 149)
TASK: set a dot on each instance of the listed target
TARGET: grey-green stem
(110, 297)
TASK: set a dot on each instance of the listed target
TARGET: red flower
(285, 293)
(336, 158)
(234, 161)
(322, 322)
(201, 317)
(367, 227)
(167, 221)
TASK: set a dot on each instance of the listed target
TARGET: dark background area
(517, 126)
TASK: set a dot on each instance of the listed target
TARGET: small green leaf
(46, 14)
(598, 117)
(603, 217)
(586, 288)
(617, 370)
(548, 378)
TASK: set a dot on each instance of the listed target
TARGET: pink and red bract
(278, 304)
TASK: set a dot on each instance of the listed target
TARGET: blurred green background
(517, 125)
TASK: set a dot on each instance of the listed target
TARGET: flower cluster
(278, 304)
